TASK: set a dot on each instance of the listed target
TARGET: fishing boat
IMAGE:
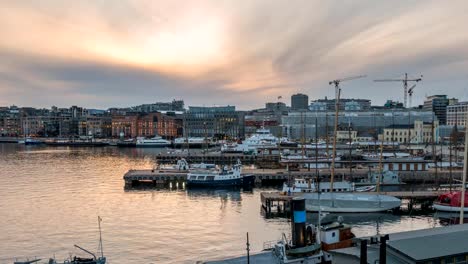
(155, 142)
(223, 176)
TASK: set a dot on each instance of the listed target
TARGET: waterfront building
(222, 122)
(125, 125)
(418, 133)
(371, 122)
(345, 104)
(10, 122)
(299, 102)
(457, 114)
(96, 126)
(438, 104)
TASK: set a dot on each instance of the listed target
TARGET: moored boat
(350, 202)
(155, 142)
(213, 177)
(451, 202)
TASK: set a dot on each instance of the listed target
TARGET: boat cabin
(336, 235)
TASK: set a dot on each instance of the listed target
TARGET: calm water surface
(50, 199)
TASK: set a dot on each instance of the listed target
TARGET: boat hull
(245, 181)
(350, 202)
(448, 208)
(152, 145)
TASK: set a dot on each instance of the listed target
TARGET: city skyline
(95, 55)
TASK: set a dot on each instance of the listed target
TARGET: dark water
(50, 199)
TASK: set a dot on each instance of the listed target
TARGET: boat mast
(379, 178)
(336, 83)
(465, 172)
(316, 146)
(100, 236)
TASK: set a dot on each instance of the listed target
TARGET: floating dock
(132, 177)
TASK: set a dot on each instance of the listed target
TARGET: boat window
(193, 177)
(333, 234)
(210, 178)
(201, 177)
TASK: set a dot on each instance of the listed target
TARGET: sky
(101, 54)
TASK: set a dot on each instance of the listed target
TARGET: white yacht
(262, 138)
(154, 142)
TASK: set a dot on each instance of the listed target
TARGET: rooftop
(442, 241)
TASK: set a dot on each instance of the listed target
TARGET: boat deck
(258, 258)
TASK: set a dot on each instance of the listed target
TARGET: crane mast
(405, 82)
(336, 83)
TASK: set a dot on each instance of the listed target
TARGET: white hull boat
(350, 202)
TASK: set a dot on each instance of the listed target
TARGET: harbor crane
(337, 108)
(405, 85)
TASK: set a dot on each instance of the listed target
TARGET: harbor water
(51, 197)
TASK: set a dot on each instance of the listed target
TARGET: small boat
(303, 185)
(155, 142)
(214, 177)
(30, 141)
(451, 202)
(349, 202)
(386, 178)
(128, 143)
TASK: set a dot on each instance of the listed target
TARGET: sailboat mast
(100, 236)
(465, 172)
(379, 178)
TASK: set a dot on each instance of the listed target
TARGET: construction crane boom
(405, 85)
(346, 79)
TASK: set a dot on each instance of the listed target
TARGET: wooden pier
(266, 176)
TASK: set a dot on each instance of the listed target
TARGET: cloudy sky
(101, 53)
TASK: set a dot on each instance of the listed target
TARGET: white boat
(192, 142)
(349, 202)
(303, 185)
(154, 142)
(301, 158)
(262, 138)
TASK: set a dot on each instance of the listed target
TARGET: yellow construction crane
(405, 85)
(337, 108)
